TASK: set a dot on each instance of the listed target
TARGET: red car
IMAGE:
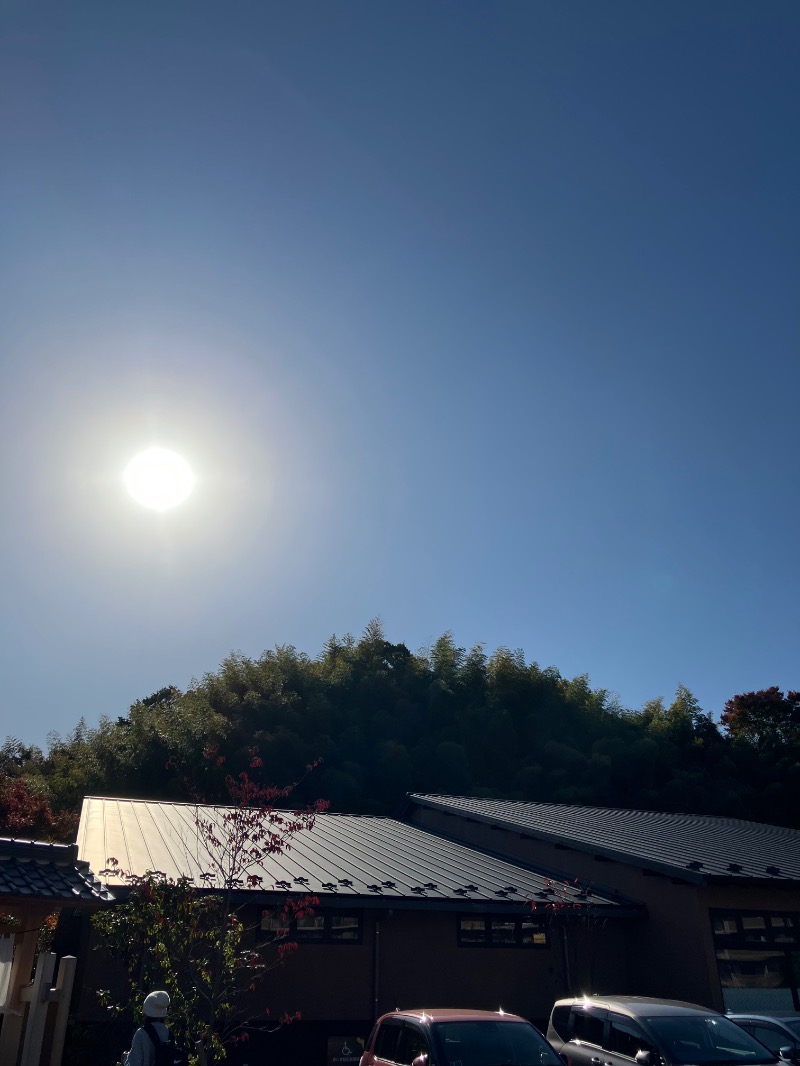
(441, 1037)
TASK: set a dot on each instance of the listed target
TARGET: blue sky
(474, 316)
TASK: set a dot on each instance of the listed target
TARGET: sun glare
(159, 479)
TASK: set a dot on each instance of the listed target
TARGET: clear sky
(473, 316)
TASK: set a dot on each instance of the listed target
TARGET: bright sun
(159, 479)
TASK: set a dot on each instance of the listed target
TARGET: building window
(533, 932)
(312, 927)
(323, 927)
(345, 927)
(273, 925)
(501, 931)
(754, 927)
(725, 925)
(762, 927)
(757, 959)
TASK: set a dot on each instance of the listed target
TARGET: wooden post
(11, 1032)
(6, 962)
(62, 994)
(38, 995)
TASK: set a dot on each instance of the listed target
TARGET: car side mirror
(642, 1058)
(421, 1060)
(789, 1053)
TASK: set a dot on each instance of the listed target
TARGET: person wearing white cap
(143, 1050)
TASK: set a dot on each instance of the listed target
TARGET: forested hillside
(385, 721)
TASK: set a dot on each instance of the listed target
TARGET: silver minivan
(779, 1031)
(636, 1031)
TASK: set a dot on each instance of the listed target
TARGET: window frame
(327, 934)
(757, 933)
(384, 1044)
(622, 1023)
(779, 1037)
(589, 1013)
(410, 1032)
(781, 929)
(517, 921)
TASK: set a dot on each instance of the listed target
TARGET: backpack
(167, 1054)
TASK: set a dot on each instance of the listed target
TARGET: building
(487, 903)
(721, 895)
(37, 880)
(406, 918)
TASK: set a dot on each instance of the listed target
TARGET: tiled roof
(694, 847)
(343, 855)
(33, 870)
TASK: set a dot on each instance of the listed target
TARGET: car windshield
(693, 1039)
(492, 1043)
(793, 1024)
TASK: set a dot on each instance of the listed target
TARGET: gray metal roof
(343, 855)
(33, 870)
(694, 847)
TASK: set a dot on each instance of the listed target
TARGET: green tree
(526, 732)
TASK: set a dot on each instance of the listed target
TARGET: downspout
(376, 964)
(566, 960)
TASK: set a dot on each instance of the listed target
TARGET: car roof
(772, 1016)
(638, 1006)
(434, 1015)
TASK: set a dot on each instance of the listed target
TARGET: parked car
(628, 1030)
(456, 1038)
(775, 1031)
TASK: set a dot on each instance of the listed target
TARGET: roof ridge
(233, 806)
(617, 811)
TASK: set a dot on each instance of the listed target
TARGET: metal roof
(693, 847)
(34, 870)
(344, 855)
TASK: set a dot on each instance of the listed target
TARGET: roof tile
(36, 869)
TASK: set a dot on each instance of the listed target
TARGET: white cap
(156, 1005)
